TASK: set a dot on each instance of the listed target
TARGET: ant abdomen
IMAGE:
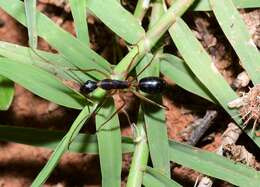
(152, 85)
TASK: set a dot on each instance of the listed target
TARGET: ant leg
(146, 66)
(111, 116)
(149, 100)
(132, 62)
(89, 70)
(253, 129)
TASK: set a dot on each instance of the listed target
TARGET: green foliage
(44, 73)
(6, 93)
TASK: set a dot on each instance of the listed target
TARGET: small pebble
(2, 23)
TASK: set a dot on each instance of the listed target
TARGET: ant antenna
(74, 77)
(146, 66)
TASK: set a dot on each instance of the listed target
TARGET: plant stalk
(141, 154)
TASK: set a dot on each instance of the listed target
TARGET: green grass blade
(201, 65)
(56, 64)
(109, 145)
(175, 69)
(83, 143)
(150, 181)
(30, 11)
(155, 121)
(238, 35)
(63, 146)
(204, 5)
(76, 52)
(125, 25)
(41, 83)
(214, 165)
(141, 154)
(6, 93)
(79, 13)
(162, 178)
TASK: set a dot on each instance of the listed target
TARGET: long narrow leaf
(63, 146)
(30, 10)
(238, 35)
(41, 83)
(83, 143)
(109, 145)
(150, 181)
(175, 69)
(201, 65)
(55, 64)
(214, 165)
(79, 13)
(6, 93)
(162, 178)
(141, 154)
(204, 5)
(75, 51)
(125, 25)
(155, 122)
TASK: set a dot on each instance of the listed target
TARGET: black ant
(151, 85)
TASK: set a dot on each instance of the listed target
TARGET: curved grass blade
(201, 65)
(155, 121)
(6, 93)
(175, 69)
(55, 64)
(83, 143)
(74, 51)
(108, 12)
(238, 35)
(79, 13)
(63, 145)
(41, 83)
(204, 5)
(109, 145)
(162, 178)
(214, 165)
(30, 12)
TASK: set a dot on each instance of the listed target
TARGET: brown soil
(19, 164)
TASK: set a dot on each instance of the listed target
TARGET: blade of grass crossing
(6, 93)
(238, 35)
(201, 65)
(150, 181)
(30, 11)
(214, 165)
(63, 145)
(74, 51)
(79, 13)
(41, 83)
(83, 143)
(175, 69)
(109, 145)
(162, 178)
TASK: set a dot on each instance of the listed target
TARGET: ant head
(88, 86)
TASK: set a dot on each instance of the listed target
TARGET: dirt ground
(19, 164)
